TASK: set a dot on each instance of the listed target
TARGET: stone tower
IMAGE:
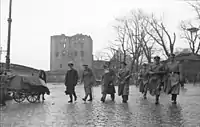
(77, 48)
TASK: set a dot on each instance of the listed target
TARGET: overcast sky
(34, 21)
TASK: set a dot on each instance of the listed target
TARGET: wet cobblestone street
(56, 112)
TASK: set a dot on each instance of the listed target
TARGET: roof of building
(188, 56)
(73, 36)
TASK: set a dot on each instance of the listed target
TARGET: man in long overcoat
(156, 72)
(144, 78)
(123, 86)
(174, 77)
(108, 79)
(88, 79)
(43, 80)
(71, 80)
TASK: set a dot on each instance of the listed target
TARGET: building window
(82, 53)
(82, 45)
(64, 45)
(71, 54)
(76, 53)
(57, 54)
(82, 60)
(75, 44)
(60, 65)
(64, 53)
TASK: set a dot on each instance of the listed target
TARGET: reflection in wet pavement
(56, 112)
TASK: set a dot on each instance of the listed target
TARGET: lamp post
(192, 30)
(9, 35)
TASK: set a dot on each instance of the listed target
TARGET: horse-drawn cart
(24, 87)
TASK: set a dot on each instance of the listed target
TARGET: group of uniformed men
(108, 82)
(156, 76)
(153, 77)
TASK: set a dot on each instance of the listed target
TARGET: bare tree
(135, 45)
(122, 37)
(160, 34)
(196, 6)
(101, 55)
(147, 43)
(148, 49)
(143, 44)
(190, 34)
(134, 39)
(112, 48)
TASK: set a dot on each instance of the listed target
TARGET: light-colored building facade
(77, 48)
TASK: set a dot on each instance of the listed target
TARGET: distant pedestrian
(108, 79)
(71, 80)
(43, 77)
(88, 79)
(123, 87)
(43, 80)
(175, 76)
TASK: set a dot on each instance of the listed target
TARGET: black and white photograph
(100, 63)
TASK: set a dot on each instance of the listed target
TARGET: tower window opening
(82, 45)
(76, 53)
(64, 53)
(57, 54)
(82, 53)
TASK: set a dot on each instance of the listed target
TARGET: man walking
(175, 76)
(88, 80)
(156, 72)
(71, 79)
(144, 78)
(124, 78)
(108, 82)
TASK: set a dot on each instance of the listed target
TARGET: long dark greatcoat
(108, 82)
(71, 79)
(174, 76)
(88, 79)
(124, 78)
(155, 79)
(144, 78)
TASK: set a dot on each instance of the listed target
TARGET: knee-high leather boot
(90, 97)
(157, 99)
(71, 98)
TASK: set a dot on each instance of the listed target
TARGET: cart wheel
(19, 96)
(32, 97)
